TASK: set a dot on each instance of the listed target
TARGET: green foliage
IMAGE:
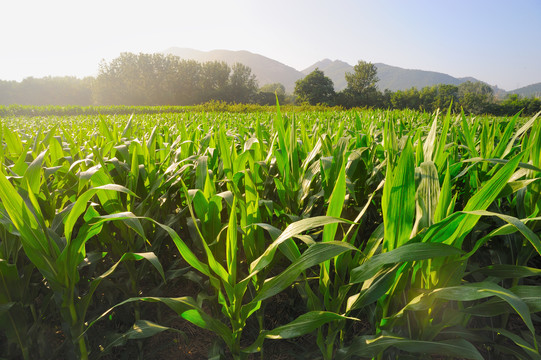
(377, 234)
(363, 79)
(167, 81)
(515, 103)
(475, 97)
(315, 88)
(277, 88)
(47, 91)
(156, 79)
(361, 87)
(268, 93)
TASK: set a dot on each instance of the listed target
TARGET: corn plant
(396, 234)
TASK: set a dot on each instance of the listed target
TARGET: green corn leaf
(444, 200)
(529, 294)
(13, 142)
(32, 173)
(288, 247)
(82, 202)
(105, 130)
(373, 289)
(513, 222)
(304, 324)
(398, 201)
(292, 230)
(128, 218)
(369, 346)
(187, 308)
(211, 260)
(519, 133)
(232, 244)
(10, 283)
(314, 255)
(507, 271)
(20, 166)
(472, 292)
(405, 253)
(429, 143)
(439, 155)
(128, 129)
(183, 249)
(427, 196)
(476, 291)
(505, 138)
(482, 199)
(39, 249)
(336, 203)
(530, 350)
(87, 298)
(141, 329)
(470, 143)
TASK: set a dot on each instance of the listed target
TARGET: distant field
(212, 106)
(230, 232)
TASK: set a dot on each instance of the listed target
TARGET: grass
(388, 234)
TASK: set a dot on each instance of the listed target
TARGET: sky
(498, 42)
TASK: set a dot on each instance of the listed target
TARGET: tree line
(145, 79)
(157, 79)
(362, 91)
(47, 91)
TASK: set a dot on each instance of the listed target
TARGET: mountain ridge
(265, 69)
(529, 90)
(268, 70)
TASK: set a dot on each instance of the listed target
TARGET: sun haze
(493, 41)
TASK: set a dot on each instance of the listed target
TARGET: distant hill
(265, 69)
(393, 78)
(530, 90)
(335, 70)
(390, 77)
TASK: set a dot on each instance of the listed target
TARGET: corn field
(309, 235)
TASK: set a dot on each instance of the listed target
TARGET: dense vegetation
(386, 234)
(362, 91)
(144, 79)
(160, 80)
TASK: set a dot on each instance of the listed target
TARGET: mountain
(265, 69)
(335, 70)
(530, 90)
(393, 78)
(390, 77)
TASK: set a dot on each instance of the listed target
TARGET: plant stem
(76, 331)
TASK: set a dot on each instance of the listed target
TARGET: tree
(445, 95)
(277, 88)
(363, 78)
(427, 98)
(242, 84)
(361, 85)
(187, 82)
(156, 79)
(7, 92)
(214, 81)
(475, 96)
(267, 94)
(49, 90)
(406, 99)
(130, 79)
(315, 88)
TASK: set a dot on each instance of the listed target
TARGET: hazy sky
(495, 41)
